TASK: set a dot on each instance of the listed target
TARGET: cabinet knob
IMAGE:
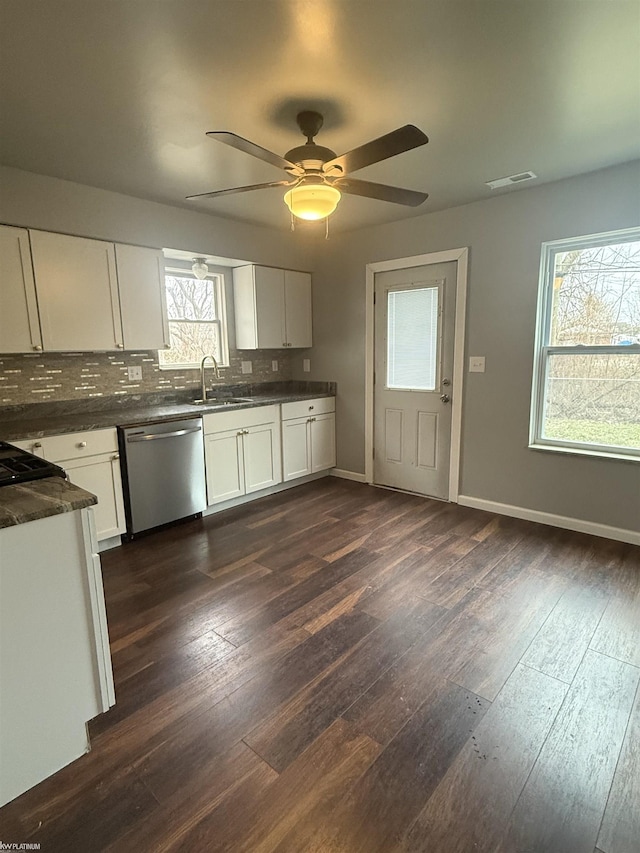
(37, 444)
(37, 347)
(311, 408)
(114, 457)
(120, 346)
(167, 346)
(81, 444)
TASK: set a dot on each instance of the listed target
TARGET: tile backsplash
(35, 378)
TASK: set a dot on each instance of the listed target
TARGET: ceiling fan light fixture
(312, 201)
(200, 268)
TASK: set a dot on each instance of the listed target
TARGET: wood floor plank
(232, 773)
(620, 830)
(559, 646)
(562, 804)
(374, 814)
(512, 620)
(341, 671)
(169, 765)
(319, 774)
(618, 633)
(282, 737)
(471, 806)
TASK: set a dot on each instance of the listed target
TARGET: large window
(195, 309)
(586, 394)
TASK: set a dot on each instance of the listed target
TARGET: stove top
(19, 466)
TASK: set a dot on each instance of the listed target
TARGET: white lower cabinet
(308, 441)
(92, 462)
(242, 452)
(56, 668)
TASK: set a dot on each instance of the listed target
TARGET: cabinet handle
(81, 444)
(37, 347)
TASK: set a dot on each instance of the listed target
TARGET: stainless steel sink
(221, 401)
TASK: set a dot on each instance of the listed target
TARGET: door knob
(445, 398)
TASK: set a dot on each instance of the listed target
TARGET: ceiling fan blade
(233, 190)
(397, 142)
(398, 195)
(242, 144)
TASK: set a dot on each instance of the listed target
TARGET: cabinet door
(100, 475)
(262, 462)
(224, 466)
(77, 293)
(142, 297)
(19, 322)
(297, 300)
(323, 442)
(296, 449)
(269, 306)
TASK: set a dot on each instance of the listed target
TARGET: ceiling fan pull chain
(293, 222)
(326, 232)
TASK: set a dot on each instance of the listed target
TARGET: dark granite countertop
(38, 420)
(40, 499)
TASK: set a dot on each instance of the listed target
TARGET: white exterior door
(414, 343)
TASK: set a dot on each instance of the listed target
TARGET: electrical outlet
(306, 365)
(476, 364)
(246, 366)
(134, 373)
(274, 366)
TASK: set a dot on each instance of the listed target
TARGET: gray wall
(37, 201)
(504, 236)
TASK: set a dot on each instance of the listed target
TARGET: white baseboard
(577, 524)
(348, 475)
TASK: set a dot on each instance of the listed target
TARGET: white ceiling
(119, 93)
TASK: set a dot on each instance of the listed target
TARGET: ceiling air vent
(511, 179)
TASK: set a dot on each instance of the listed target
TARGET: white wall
(504, 235)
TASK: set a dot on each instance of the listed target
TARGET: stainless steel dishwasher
(163, 472)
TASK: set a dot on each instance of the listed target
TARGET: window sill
(578, 451)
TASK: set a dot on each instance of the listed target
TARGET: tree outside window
(195, 315)
(587, 386)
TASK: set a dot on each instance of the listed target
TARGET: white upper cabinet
(19, 322)
(272, 308)
(297, 307)
(142, 297)
(77, 292)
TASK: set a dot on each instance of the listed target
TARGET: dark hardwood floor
(342, 668)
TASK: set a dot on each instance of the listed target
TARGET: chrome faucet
(216, 371)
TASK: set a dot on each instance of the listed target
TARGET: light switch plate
(274, 366)
(476, 364)
(246, 366)
(306, 365)
(134, 373)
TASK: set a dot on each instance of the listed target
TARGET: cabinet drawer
(240, 418)
(300, 408)
(57, 448)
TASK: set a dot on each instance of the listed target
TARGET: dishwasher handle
(151, 436)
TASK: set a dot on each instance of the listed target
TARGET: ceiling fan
(317, 176)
